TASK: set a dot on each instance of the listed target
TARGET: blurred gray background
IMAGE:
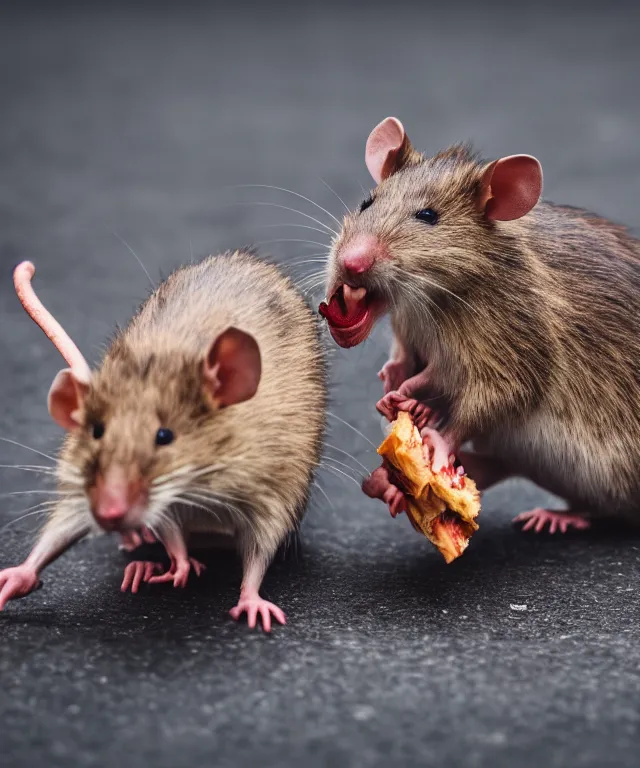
(138, 123)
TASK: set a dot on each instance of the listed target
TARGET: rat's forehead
(145, 384)
(429, 183)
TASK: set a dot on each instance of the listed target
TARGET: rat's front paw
(254, 605)
(179, 572)
(17, 582)
(379, 486)
(137, 572)
(393, 402)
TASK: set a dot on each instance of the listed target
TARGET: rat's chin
(353, 335)
(351, 314)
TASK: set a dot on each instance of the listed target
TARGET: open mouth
(350, 314)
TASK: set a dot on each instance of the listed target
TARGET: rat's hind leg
(256, 556)
(538, 519)
(484, 470)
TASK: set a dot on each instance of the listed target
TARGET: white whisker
(42, 508)
(343, 464)
(339, 471)
(357, 431)
(289, 240)
(351, 456)
(135, 256)
(326, 227)
(189, 502)
(297, 194)
(439, 287)
(28, 448)
(30, 468)
(299, 226)
(323, 492)
(23, 517)
(331, 189)
(309, 284)
(36, 491)
(307, 261)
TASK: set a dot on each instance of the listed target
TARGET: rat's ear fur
(389, 149)
(66, 396)
(232, 367)
(510, 187)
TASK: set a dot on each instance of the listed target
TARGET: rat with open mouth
(519, 318)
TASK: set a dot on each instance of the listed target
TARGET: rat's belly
(565, 459)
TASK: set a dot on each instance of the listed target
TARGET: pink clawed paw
(379, 486)
(393, 402)
(17, 582)
(179, 572)
(137, 572)
(395, 500)
(144, 571)
(254, 607)
(538, 519)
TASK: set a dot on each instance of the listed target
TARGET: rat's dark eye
(164, 436)
(366, 203)
(98, 430)
(428, 215)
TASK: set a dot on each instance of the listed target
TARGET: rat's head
(148, 428)
(427, 229)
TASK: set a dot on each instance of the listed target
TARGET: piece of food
(442, 505)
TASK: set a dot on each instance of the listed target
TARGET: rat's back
(279, 430)
(583, 442)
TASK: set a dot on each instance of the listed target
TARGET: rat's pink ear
(388, 149)
(511, 187)
(65, 399)
(232, 368)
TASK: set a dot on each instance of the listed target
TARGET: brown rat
(520, 317)
(205, 416)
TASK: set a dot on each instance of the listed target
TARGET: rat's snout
(352, 305)
(118, 498)
(360, 254)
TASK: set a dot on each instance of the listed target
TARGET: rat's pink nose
(111, 509)
(114, 496)
(361, 253)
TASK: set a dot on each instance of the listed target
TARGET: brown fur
(151, 377)
(530, 327)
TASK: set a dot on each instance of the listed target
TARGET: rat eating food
(443, 504)
(205, 417)
(516, 322)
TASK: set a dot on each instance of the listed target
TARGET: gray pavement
(141, 121)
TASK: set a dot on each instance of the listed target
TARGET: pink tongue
(354, 303)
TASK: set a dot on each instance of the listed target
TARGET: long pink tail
(22, 277)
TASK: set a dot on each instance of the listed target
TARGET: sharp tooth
(352, 297)
(354, 294)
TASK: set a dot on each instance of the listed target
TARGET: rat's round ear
(388, 149)
(510, 187)
(232, 368)
(66, 397)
